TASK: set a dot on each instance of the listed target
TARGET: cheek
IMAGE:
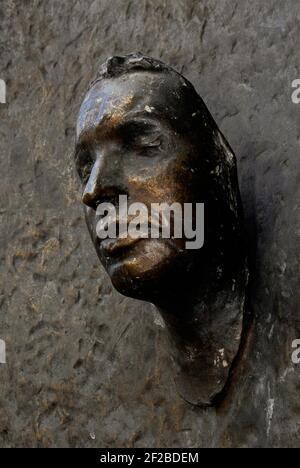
(164, 177)
(168, 186)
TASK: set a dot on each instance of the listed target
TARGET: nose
(104, 182)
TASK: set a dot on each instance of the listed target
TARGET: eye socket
(84, 164)
(144, 148)
(142, 138)
(148, 141)
(147, 146)
(143, 143)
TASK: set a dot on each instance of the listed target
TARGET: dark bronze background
(87, 367)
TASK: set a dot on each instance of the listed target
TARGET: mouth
(117, 246)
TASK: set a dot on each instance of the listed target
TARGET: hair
(120, 65)
(117, 66)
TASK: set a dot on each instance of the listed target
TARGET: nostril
(88, 200)
(94, 196)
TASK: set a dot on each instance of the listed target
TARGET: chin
(132, 279)
(138, 282)
(145, 271)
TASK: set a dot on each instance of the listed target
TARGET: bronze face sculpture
(144, 132)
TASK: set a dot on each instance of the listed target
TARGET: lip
(114, 246)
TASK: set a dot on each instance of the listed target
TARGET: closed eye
(84, 163)
(147, 142)
(139, 136)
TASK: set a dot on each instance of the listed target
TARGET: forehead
(110, 101)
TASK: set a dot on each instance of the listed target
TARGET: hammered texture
(85, 366)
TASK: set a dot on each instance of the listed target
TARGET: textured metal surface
(85, 366)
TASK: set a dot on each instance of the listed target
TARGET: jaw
(153, 270)
(139, 277)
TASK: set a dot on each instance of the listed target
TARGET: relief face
(131, 141)
(144, 133)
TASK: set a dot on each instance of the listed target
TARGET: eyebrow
(142, 120)
(139, 124)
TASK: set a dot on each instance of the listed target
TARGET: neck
(205, 338)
